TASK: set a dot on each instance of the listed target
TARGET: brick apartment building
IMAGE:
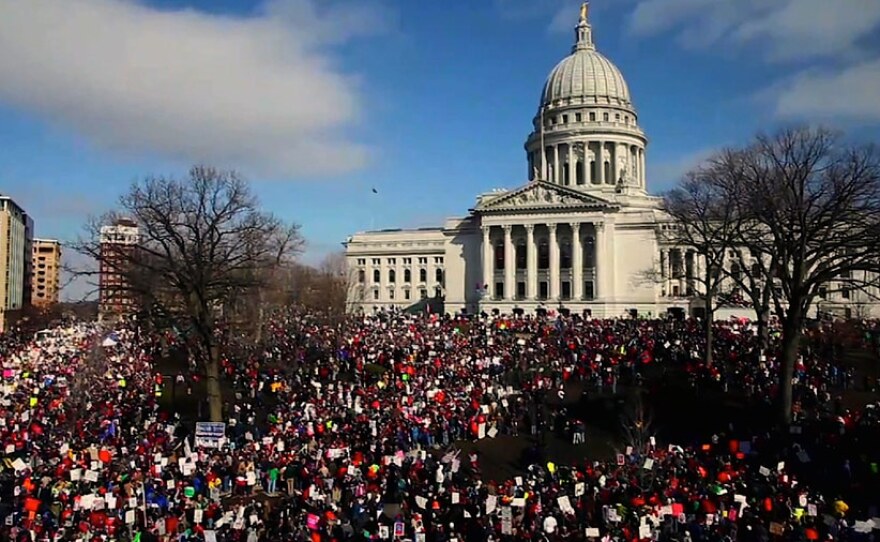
(118, 243)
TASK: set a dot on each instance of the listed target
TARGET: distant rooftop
(403, 230)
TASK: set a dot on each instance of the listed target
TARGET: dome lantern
(583, 31)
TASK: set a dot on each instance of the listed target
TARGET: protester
(350, 432)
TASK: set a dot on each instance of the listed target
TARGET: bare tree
(708, 222)
(704, 223)
(810, 208)
(336, 280)
(203, 241)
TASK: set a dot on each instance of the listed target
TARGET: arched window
(362, 276)
(499, 256)
(543, 256)
(407, 275)
(589, 253)
(565, 256)
(392, 276)
(521, 262)
(377, 276)
(438, 276)
(423, 275)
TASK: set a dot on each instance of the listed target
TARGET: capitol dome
(586, 133)
(585, 77)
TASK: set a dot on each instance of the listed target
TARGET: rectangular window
(543, 290)
(520, 290)
(423, 293)
(589, 293)
(499, 290)
(392, 261)
(844, 293)
(564, 119)
(406, 294)
(592, 117)
(566, 290)
(577, 117)
(375, 295)
(823, 293)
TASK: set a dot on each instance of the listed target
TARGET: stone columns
(554, 262)
(544, 163)
(531, 263)
(643, 177)
(610, 262)
(600, 163)
(632, 159)
(665, 256)
(612, 170)
(556, 177)
(488, 280)
(509, 263)
(683, 279)
(599, 261)
(577, 262)
(572, 169)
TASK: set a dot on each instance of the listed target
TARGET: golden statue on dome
(585, 11)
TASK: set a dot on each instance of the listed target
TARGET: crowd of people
(369, 428)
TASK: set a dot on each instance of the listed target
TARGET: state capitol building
(583, 235)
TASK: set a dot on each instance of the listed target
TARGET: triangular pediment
(544, 196)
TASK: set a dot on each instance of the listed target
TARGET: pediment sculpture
(541, 195)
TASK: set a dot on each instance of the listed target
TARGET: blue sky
(317, 102)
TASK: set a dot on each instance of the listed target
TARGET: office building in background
(46, 283)
(16, 237)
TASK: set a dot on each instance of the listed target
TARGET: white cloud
(666, 174)
(563, 13)
(260, 93)
(565, 18)
(781, 30)
(848, 94)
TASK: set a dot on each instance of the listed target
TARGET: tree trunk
(710, 336)
(764, 329)
(791, 336)
(261, 315)
(212, 373)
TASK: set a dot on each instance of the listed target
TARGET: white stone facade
(583, 234)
